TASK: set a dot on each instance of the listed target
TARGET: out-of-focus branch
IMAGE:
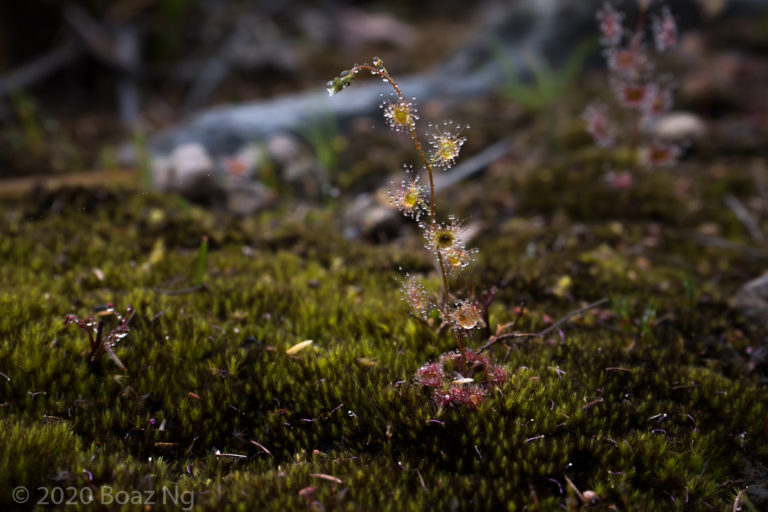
(37, 70)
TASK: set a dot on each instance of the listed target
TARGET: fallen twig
(571, 315)
(263, 448)
(749, 222)
(738, 503)
(574, 488)
(183, 291)
(473, 165)
(722, 243)
(323, 476)
(542, 333)
(218, 454)
(40, 68)
(96, 36)
(619, 369)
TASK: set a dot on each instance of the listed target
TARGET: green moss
(653, 401)
(646, 428)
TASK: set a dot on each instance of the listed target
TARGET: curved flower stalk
(467, 377)
(444, 240)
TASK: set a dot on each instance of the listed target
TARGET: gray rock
(299, 171)
(756, 476)
(245, 162)
(678, 127)
(758, 496)
(367, 218)
(247, 197)
(188, 168)
(285, 148)
(752, 300)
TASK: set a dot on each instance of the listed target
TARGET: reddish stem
(420, 149)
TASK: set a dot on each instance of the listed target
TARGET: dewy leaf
(299, 346)
(339, 83)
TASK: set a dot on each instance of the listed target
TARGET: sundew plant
(445, 239)
(642, 94)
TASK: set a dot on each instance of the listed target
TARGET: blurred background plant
(323, 135)
(642, 92)
(546, 84)
(33, 139)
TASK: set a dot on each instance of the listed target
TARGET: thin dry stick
(182, 291)
(35, 71)
(749, 222)
(473, 165)
(571, 315)
(542, 333)
(572, 486)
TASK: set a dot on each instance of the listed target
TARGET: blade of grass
(201, 261)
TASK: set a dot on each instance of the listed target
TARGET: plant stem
(420, 149)
(412, 130)
(457, 336)
(432, 216)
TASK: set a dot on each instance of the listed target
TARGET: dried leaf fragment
(330, 478)
(299, 346)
